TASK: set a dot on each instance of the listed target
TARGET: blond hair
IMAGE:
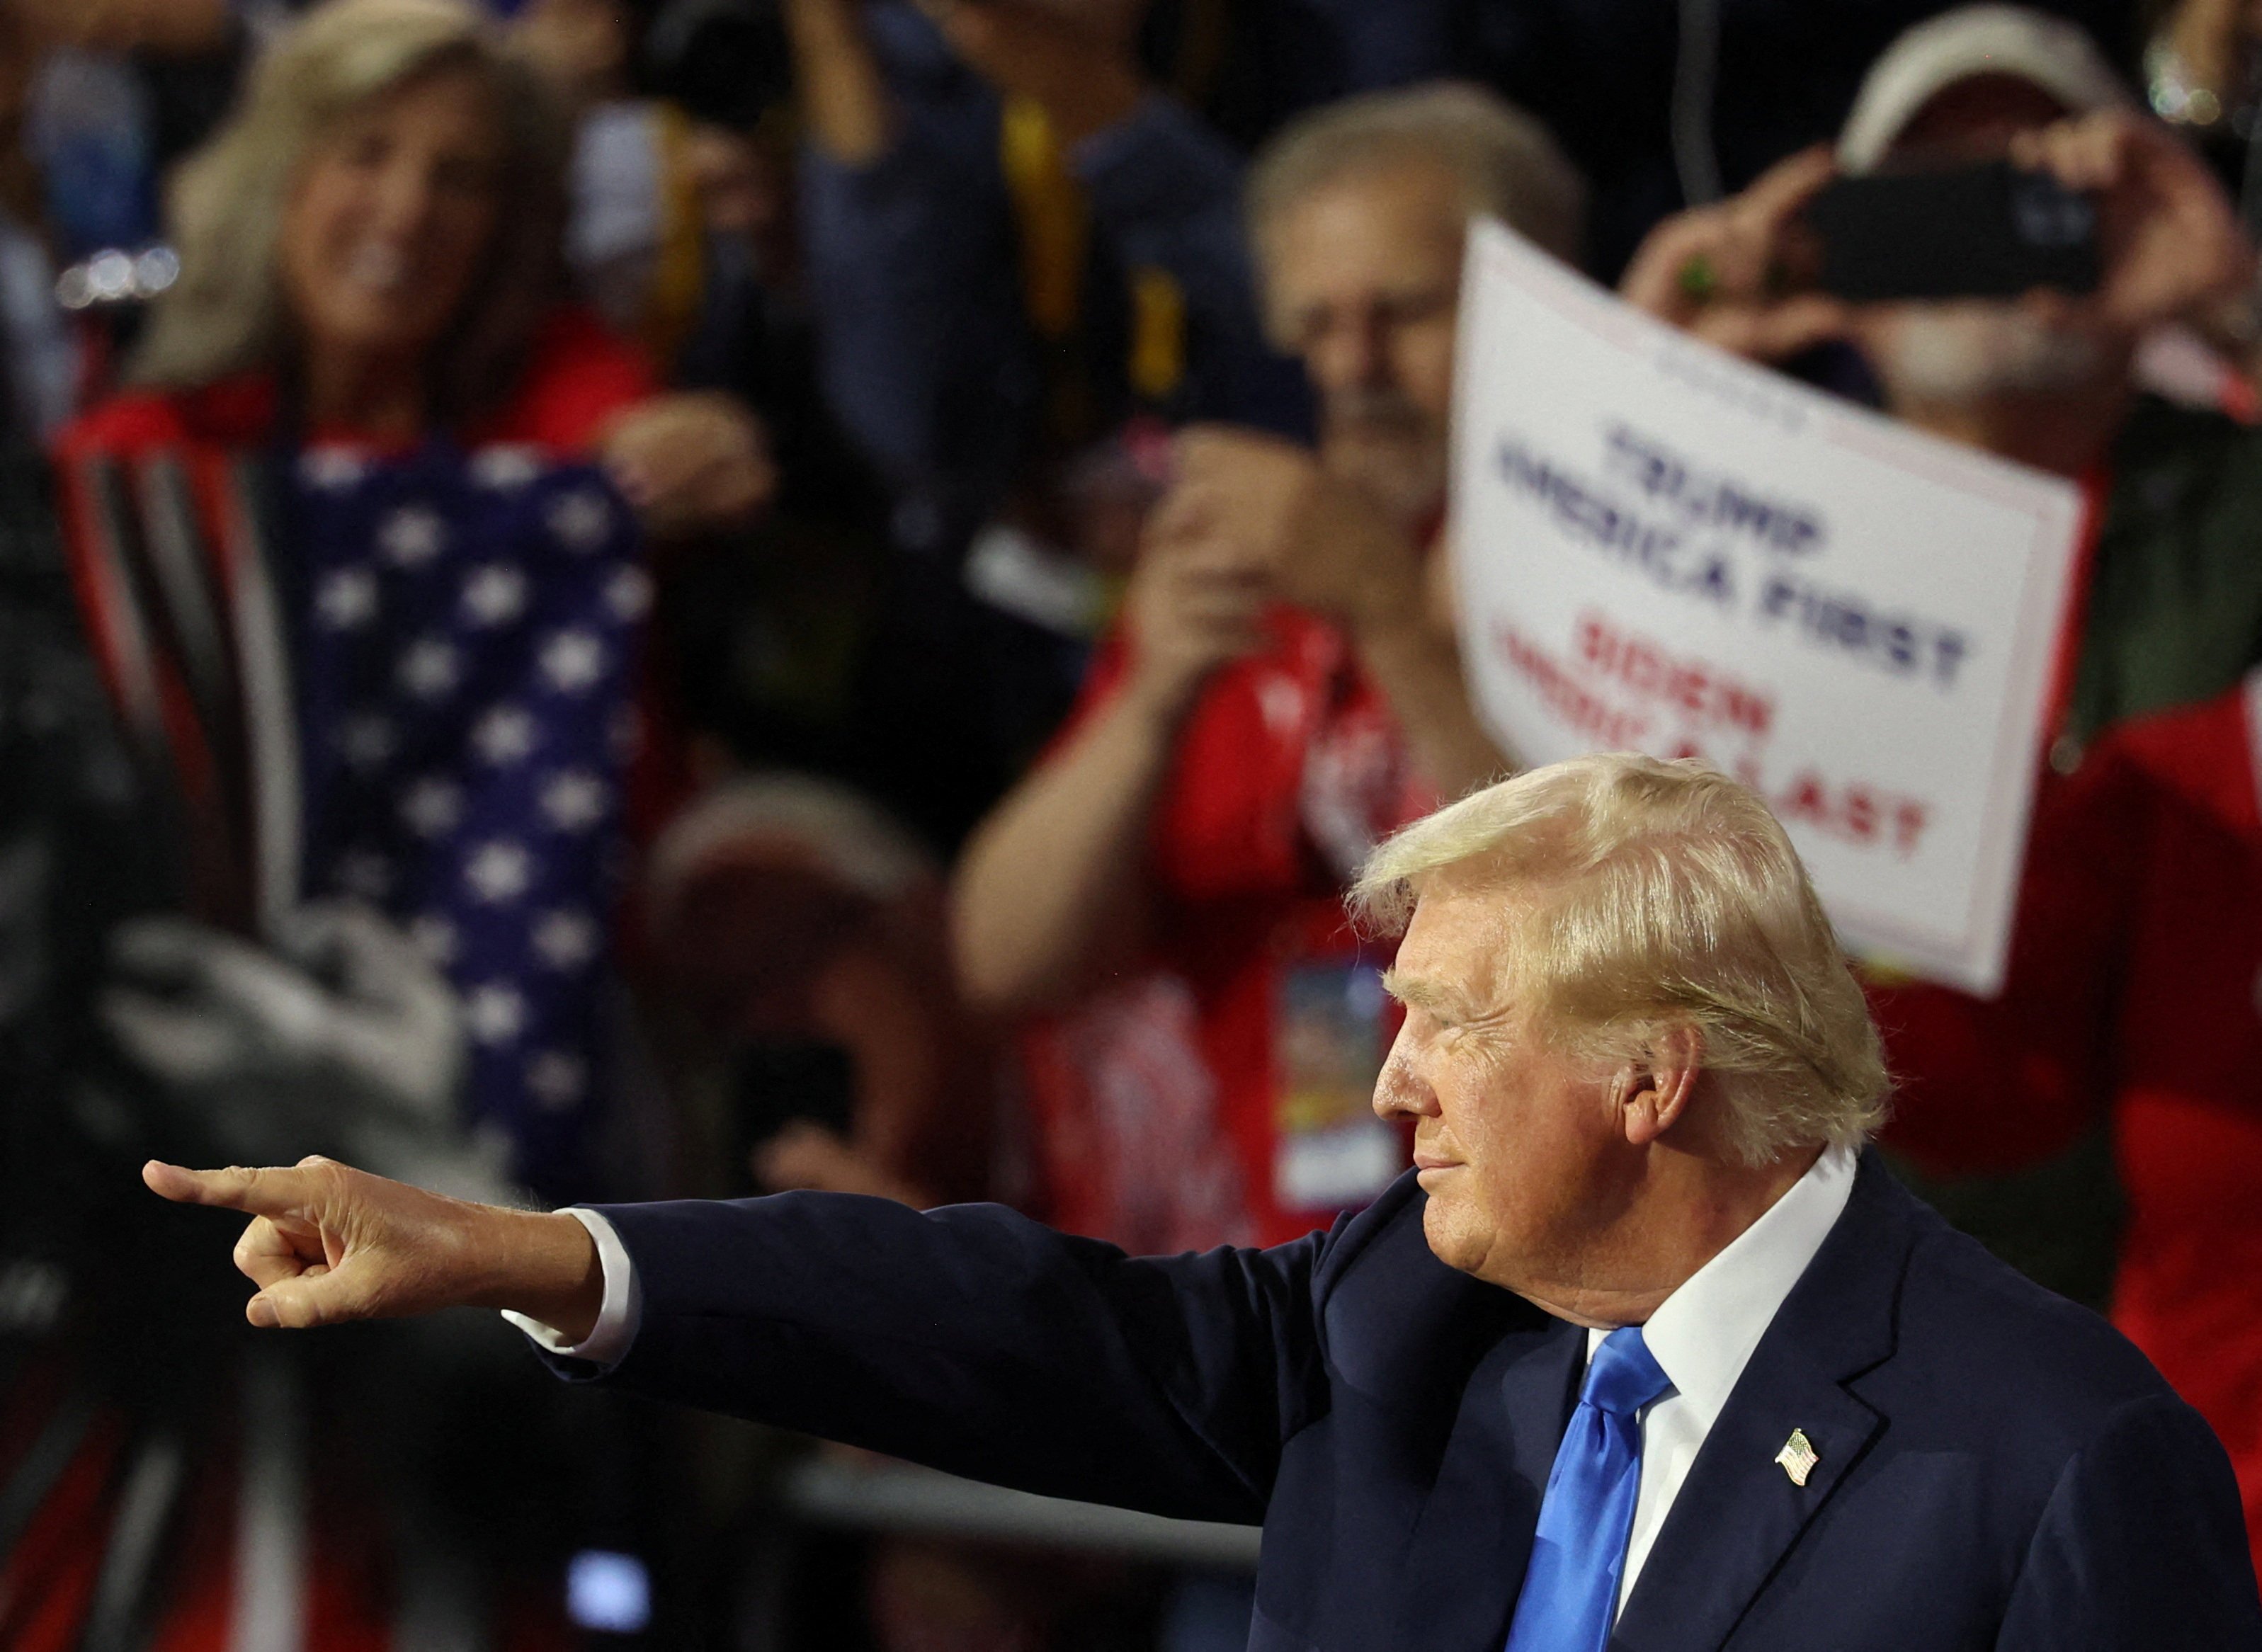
(1505, 162)
(226, 314)
(1654, 894)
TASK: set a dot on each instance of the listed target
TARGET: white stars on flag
(557, 1080)
(433, 807)
(345, 599)
(575, 800)
(572, 661)
(506, 466)
(411, 537)
(430, 668)
(499, 872)
(468, 674)
(581, 520)
(331, 469)
(628, 594)
(565, 940)
(495, 594)
(495, 1012)
(503, 735)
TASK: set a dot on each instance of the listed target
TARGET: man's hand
(1192, 605)
(1077, 64)
(691, 462)
(583, 49)
(1324, 544)
(2168, 238)
(1718, 271)
(328, 1244)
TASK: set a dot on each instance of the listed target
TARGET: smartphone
(781, 1081)
(1989, 231)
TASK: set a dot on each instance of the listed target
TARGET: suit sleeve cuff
(617, 1319)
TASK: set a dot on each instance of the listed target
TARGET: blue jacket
(924, 351)
(1998, 1469)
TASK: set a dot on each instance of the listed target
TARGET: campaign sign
(1662, 549)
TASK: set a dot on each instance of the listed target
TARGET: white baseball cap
(2031, 45)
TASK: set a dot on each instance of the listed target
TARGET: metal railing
(895, 1496)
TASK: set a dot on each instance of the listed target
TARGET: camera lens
(2046, 213)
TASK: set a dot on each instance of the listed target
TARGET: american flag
(466, 627)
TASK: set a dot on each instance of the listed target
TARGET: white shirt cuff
(617, 1318)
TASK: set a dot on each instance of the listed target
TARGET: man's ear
(1654, 1093)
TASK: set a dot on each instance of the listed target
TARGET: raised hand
(1268, 504)
(2168, 237)
(691, 462)
(1078, 62)
(328, 1244)
(1194, 603)
(1716, 272)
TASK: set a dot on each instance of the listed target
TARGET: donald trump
(1648, 1352)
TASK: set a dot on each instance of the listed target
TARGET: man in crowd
(1284, 690)
(1668, 106)
(2132, 976)
(1017, 238)
(1647, 1351)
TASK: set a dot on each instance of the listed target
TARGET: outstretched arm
(328, 1244)
(969, 1339)
(973, 1340)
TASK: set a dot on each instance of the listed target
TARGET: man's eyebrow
(1421, 995)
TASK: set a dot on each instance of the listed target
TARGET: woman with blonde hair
(359, 559)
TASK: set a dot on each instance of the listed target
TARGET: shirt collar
(1703, 1333)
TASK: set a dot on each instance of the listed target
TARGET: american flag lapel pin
(1798, 1456)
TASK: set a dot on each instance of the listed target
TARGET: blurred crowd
(690, 597)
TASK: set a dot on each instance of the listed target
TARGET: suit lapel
(1464, 1561)
(1738, 1513)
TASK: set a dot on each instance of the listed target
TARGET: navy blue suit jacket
(1999, 1468)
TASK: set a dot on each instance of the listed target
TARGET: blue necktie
(1571, 1588)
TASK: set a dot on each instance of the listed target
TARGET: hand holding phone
(1722, 272)
(1987, 231)
(2170, 245)
(2110, 212)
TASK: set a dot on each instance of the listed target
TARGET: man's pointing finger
(258, 1192)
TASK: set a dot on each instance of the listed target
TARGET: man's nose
(1399, 1092)
(1356, 354)
(1367, 362)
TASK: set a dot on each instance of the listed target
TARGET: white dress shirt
(621, 1310)
(1701, 1336)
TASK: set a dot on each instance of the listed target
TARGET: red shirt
(1223, 1094)
(2135, 985)
(577, 377)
